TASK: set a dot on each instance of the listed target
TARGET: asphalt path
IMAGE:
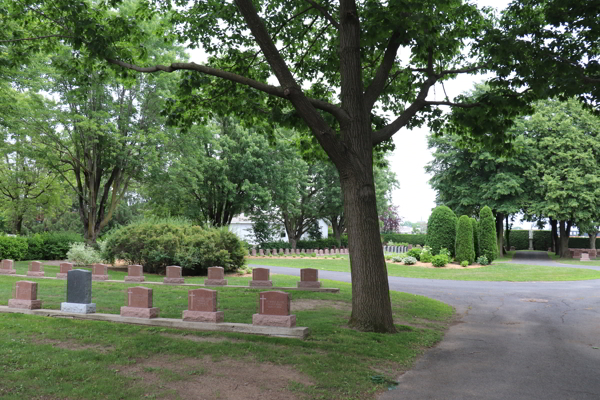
(513, 340)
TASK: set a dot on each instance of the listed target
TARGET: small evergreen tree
(441, 229)
(464, 241)
(475, 227)
(487, 234)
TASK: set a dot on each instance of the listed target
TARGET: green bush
(157, 244)
(306, 244)
(520, 239)
(426, 257)
(13, 248)
(475, 227)
(81, 255)
(409, 260)
(441, 229)
(464, 263)
(51, 245)
(464, 241)
(439, 261)
(482, 260)
(416, 239)
(487, 234)
(542, 240)
(575, 242)
(416, 253)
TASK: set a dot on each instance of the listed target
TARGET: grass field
(571, 261)
(495, 272)
(52, 358)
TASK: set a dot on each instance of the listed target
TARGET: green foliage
(155, 245)
(464, 263)
(327, 243)
(417, 239)
(444, 252)
(487, 234)
(542, 240)
(416, 253)
(440, 260)
(83, 255)
(51, 245)
(581, 243)
(482, 260)
(464, 241)
(475, 227)
(425, 257)
(441, 229)
(519, 239)
(409, 260)
(13, 247)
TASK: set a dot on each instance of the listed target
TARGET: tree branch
(449, 103)
(324, 12)
(37, 37)
(383, 72)
(337, 112)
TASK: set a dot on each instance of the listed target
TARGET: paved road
(524, 340)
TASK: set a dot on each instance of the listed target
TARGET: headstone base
(309, 284)
(215, 282)
(203, 316)
(285, 321)
(35, 273)
(139, 312)
(100, 277)
(584, 257)
(61, 276)
(135, 279)
(8, 271)
(26, 304)
(261, 283)
(174, 280)
(78, 308)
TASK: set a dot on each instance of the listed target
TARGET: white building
(242, 227)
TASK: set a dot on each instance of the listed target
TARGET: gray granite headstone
(79, 293)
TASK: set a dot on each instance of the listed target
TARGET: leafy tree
(334, 64)
(592, 229)
(487, 234)
(390, 220)
(441, 229)
(465, 250)
(475, 229)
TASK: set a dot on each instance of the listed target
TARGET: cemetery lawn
(43, 357)
(508, 256)
(571, 261)
(494, 272)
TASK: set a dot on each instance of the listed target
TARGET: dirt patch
(309, 304)
(203, 378)
(73, 345)
(448, 266)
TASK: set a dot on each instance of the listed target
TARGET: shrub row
(414, 239)
(306, 244)
(155, 245)
(44, 246)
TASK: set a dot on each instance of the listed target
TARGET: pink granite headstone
(584, 257)
(280, 251)
(174, 275)
(216, 277)
(253, 252)
(309, 278)
(139, 303)
(202, 306)
(35, 269)
(261, 252)
(260, 277)
(287, 252)
(64, 270)
(274, 310)
(100, 272)
(25, 296)
(135, 273)
(7, 267)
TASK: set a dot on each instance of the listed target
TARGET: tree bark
(507, 233)
(337, 225)
(593, 239)
(500, 233)
(565, 231)
(554, 229)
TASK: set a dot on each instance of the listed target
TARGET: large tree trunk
(565, 231)
(371, 306)
(507, 233)
(554, 228)
(593, 239)
(500, 233)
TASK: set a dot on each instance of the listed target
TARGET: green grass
(495, 272)
(44, 357)
(571, 261)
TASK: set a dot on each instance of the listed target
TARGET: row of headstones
(397, 249)
(582, 254)
(322, 252)
(309, 277)
(273, 307)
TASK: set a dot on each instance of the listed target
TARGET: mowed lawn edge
(495, 272)
(61, 358)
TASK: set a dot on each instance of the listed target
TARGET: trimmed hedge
(305, 244)
(542, 240)
(487, 234)
(414, 239)
(464, 241)
(155, 245)
(13, 248)
(441, 229)
(51, 245)
(581, 243)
